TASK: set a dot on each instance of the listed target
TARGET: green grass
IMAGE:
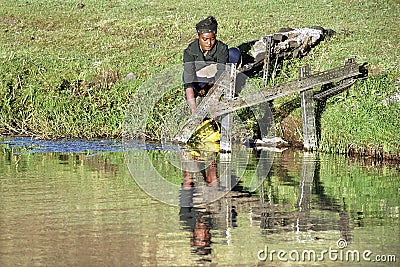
(62, 67)
(361, 123)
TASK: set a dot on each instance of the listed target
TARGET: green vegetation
(361, 123)
(63, 64)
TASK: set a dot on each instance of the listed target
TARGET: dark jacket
(194, 60)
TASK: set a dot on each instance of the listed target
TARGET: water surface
(75, 203)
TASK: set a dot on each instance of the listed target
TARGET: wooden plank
(335, 90)
(350, 69)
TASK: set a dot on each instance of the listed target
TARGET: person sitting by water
(204, 60)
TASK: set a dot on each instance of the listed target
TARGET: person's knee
(235, 56)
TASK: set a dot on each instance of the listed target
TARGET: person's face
(207, 41)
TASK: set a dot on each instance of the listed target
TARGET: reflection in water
(315, 217)
(84, 209)
(202, 186)
(199, 223)
(200, 183)
(281, 218)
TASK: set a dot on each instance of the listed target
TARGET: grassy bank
(63, 65)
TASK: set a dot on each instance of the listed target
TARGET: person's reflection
(193, 202)
(198, 222)
(210, 175)
(201, 239)
(200, 178)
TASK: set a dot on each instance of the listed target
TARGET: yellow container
(207, 131)
(205, 139)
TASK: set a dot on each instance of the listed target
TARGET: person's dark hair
(208, 24)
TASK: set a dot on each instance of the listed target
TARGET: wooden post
(226, 134)
(308, 114)
(226, 121)
(225, 162)
(268, 43)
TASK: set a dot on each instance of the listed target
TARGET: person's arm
(189, 76)
(190, 98)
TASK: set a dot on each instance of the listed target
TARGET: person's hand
(192, 105)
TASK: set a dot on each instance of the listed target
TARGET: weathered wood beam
(346, 84)
(268, 45)
(349, 70)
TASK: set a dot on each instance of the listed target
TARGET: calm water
(76, 203)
